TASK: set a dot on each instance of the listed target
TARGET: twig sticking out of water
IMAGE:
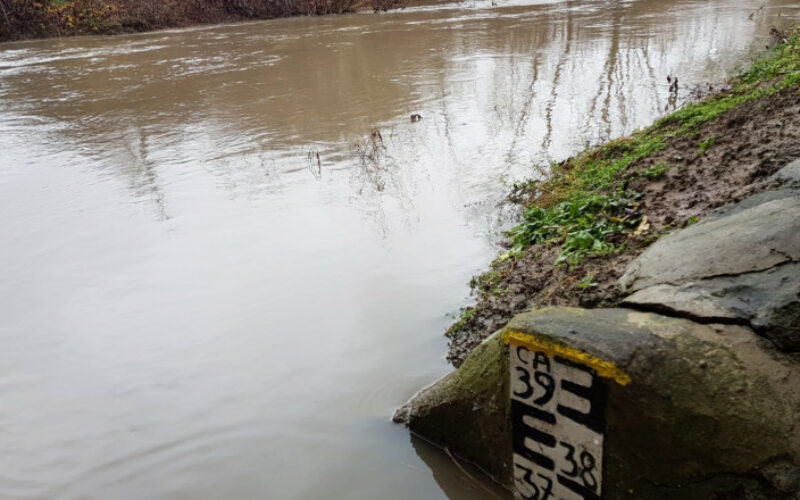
(314, 167)
(371, 152)
(673, 88)
(672, 101)
(753, 14)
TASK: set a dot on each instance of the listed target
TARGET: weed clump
(463, 320)
(654, 172)
(488, 283)
(585, 226)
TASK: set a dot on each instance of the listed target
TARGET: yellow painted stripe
(605, 369)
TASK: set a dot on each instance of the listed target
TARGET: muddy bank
(602, 208)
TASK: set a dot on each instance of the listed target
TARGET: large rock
(740, 265)
(467, 410)
(709, 409)
(695, 404)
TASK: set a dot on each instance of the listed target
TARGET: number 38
(585, 469)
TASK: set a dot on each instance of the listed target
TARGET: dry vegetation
(44, 18)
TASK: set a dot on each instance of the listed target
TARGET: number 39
(542, 379)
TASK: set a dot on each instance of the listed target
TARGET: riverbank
(599, 210)
(26, 19)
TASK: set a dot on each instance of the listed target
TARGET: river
(228, 254)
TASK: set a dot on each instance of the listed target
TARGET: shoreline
(116, 17)
(597, 211)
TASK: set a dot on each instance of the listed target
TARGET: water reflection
(502, 89)
(228, 253)
(470, 483)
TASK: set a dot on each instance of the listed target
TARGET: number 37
(538, 492)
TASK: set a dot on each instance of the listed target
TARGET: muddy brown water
(227, 254)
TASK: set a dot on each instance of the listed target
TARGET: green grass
(584, 204)
(586, 282)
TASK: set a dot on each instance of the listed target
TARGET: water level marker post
(558, 408)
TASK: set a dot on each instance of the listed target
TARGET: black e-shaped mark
(594, 394)
(522, 431)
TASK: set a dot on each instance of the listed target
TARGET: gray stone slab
(769, 301)
(785, 183)
(755, 200)
(751, 239)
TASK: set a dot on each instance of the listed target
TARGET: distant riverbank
(26, 19)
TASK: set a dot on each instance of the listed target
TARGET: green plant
(582, 225)
(466, 315)
(656, 171)
(488, 283)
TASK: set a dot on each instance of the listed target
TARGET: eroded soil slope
(602, 208)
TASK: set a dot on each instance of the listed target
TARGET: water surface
(227, 254)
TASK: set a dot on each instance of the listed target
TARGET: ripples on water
(194, 306)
